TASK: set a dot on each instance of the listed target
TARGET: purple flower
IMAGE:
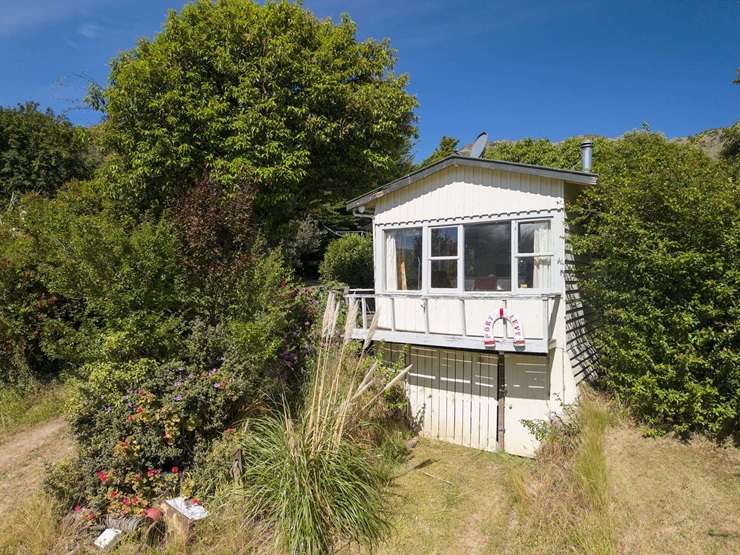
(178, 397)
(190, 376)
(178, 383)
(212, 371)
(108, 408)
(217, 385)
(181, 369)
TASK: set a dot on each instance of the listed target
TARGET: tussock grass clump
(311, 498)
(33, 526)
(562, 498)
(307, 479)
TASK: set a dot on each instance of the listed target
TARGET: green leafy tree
(662, 231)
(447, 145)
(264, 96)
(349, 260)
(40, 151)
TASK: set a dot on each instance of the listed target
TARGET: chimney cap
(586, 155)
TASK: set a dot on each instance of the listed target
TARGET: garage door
(452, 393)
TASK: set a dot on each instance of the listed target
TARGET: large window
(533, 255)
(491, 256)
(488, 257)
(443, 259)
(403, 259)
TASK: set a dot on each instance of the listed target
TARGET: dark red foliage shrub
(217, 232)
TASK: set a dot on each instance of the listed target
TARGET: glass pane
(444, 274)
(444, 241)
(534, 272)
(534, 237)
(403, 260)
(488, 257)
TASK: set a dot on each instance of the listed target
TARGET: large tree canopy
(662, 231)
(39, 151)
(259, 95)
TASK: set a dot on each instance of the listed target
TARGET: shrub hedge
(349, 260)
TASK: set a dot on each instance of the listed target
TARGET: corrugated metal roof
(569, 176)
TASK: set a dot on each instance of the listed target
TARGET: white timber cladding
(467, 192)
(456, 196)
(463, 410)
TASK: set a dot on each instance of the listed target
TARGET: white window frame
(428, 259)
(516, 255)
(384, 275)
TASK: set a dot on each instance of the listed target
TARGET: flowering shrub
(141, 423)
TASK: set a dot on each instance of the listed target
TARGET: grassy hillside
(601, 488)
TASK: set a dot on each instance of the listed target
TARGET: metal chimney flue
(587, 148)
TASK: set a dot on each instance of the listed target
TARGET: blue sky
(515, 69)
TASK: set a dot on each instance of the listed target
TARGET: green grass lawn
(24, 407)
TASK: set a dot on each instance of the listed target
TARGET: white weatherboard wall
(463, 192)
(538, 385)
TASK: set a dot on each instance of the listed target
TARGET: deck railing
(366, 299)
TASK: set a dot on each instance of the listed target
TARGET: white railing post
(364, 313)
(426, 315)
(393, 313)
(463, 324)
(546, 319)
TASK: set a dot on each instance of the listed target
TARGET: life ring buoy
(489, 342)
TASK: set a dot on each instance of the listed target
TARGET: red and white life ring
(489, 342)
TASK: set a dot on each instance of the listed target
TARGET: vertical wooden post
(426, 315)
(393, 314)
(546, 320)
(500, 400)
(364, 313)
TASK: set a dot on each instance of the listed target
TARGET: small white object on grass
(186, 507)
(108, 538)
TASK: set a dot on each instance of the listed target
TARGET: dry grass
(605, 489)
(449, 500)
(673, 497)
(33, 527)
(23, 457)
(562, 498)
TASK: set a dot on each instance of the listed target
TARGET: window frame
(459, 258)
(384, 275)
(516, 255)
(554, 220)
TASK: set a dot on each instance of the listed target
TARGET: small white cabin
(471, 285)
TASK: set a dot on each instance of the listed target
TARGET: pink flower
(102, 475)
(175, 470)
